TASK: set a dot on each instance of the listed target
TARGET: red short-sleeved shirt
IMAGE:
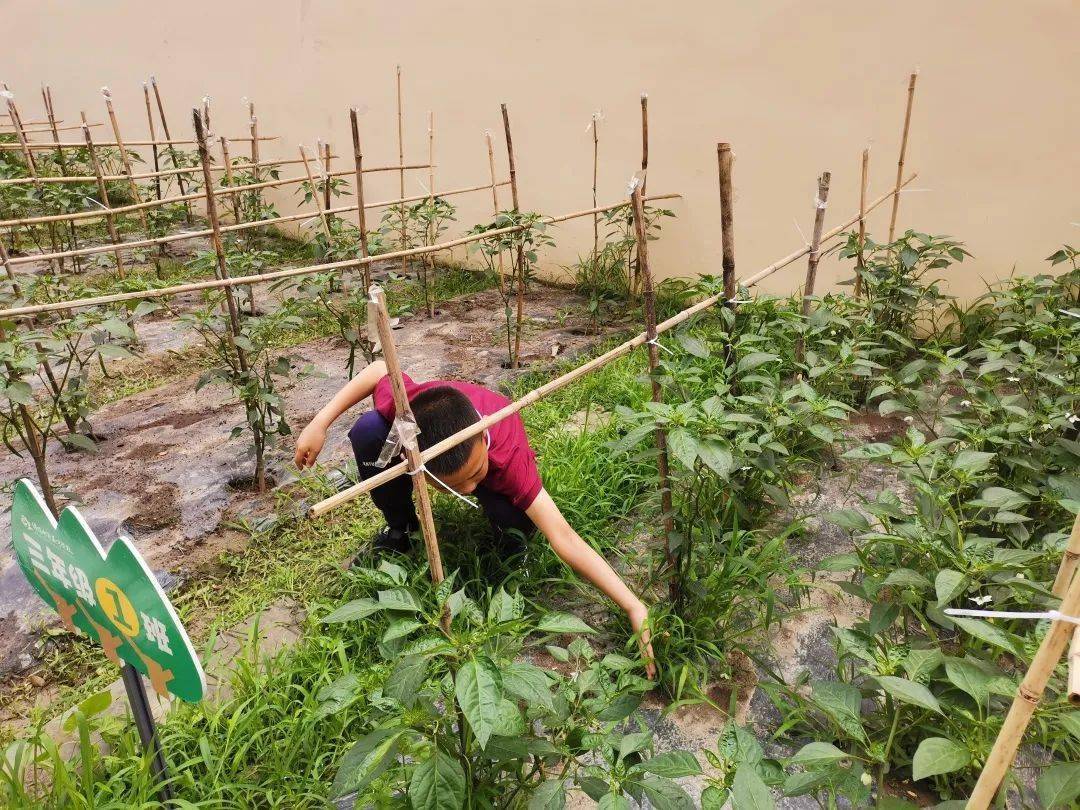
(511, 461)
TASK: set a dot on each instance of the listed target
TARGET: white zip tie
(632, 186)
(423, 469)
(740, 300)
(7, 94)
(596, 116)
(820, 203)
(1053, 615)
(656, 342)
(1070, 313)
(105, 91)
(95, 202)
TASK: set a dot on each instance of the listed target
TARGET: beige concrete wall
(796, 87)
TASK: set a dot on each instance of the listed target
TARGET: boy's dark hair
(442, 411)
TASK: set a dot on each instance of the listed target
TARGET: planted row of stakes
(53, 330)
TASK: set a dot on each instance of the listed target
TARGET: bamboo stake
(510, 158)
(361, 219)
(414, 464)
(495, 205)
(166, 141)
(172, 149)
(195, 286)
(644, 140)
(519, 259)
(903, 152)
(550, 387)
(222, 266)
(860, 260)
(1073, 680)
(32, 169)
(660, 435)
(727, 214)
(1066, 570)
(429, 292)
(1027, 699)
(103, 193)
(401, 175)
(262, 223)
(326, 175)
(46, 95)
(234, 195)
(595, 175)
(820, 202)
(206, 114)
(153, 137)
(315, 194)
(254, 123)
(124, 156)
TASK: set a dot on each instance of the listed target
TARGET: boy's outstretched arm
(312, 438)
(580, 556)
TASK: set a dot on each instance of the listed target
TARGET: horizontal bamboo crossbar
(141, 206)
(265, 278)
(390, 473)
(240, 226)
(48, 129)
(163, 142)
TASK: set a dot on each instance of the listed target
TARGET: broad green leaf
(909, 692)
(672, 764)
(368, 757)
(693, 345)
(749, 792)
(508, 720)
(850, 519)
(337, 695)
(351, 611)
(1059, 786)
(938, 755)
(971, 461)
(399, 599)
(918, 664)
(665, 794)
(712, 798)
(969, 678)
(948, 585)
(907, 578)
(620, 708)
(716, 456)
(406, 679)
(683, 446)
(528, 682)
(438, 783)
(549, 796)
(840, 701)
(399, 629)
(562, 623)
(477, 692)
(613, 801)
(504, 607)
(755, 359)
(984, 631)
(1000, 498)
(818, 753)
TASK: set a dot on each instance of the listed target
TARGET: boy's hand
(639, 616)
(309, 444)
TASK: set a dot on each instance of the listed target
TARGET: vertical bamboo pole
(361, 219)
(1027, 699)
(860, 260)
(724, 159)
(326, 176)
(153, 137)
(649, 296)
(1069, 561)
(124, 157)
(903, 154)
(254, 128)
(315, 194)
(401, 174)
(32, 170)
(172, 149)
(103, 193)
(495, 205)
(429, 258)
(377, 313)
(644, 141)
(519, 263)
(50, 114)
(206, 115)
(595, 174)
(820, 202)
(229, 177)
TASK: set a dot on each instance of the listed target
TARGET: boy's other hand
(309, 445)
(639, 616)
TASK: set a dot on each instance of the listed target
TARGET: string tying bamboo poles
(403, 416)
(361, 219)
(727, 218)
(820, 203)
(860, 259)
(103, 193)
(903, 152)
(667, 513)
(401, 175)
(265, 278)
(243, 226)
(495, 206)
(172, 149)
(355, 491)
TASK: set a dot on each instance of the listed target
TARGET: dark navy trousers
(395, 498)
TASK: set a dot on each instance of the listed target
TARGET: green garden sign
(114, 599)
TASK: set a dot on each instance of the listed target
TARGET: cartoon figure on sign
(114, 599)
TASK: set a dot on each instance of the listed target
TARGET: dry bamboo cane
(195, 286)
(219, 251)
(325, 158)
(46, 95)
(429, 292)
(649, 296)
(262, 223)
(401, 175)
(1027, 699)
(124, 157)
(644, 141)
(727, 215)
(573, 375)
(32, 169)
(903, 153)
(233, 195)
(595, 175)
(377, 313)
(860, 259)
(206, 115)
(172, 149)
(103, 193)
(254, 124)
(315, 194)
(15, 181)
(820, 202)
(495, 206)
(519, 259)
(44, 145)
(1066, 570)
(153, 137)
(361, 219)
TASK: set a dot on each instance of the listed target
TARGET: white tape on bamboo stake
(1053, 615)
